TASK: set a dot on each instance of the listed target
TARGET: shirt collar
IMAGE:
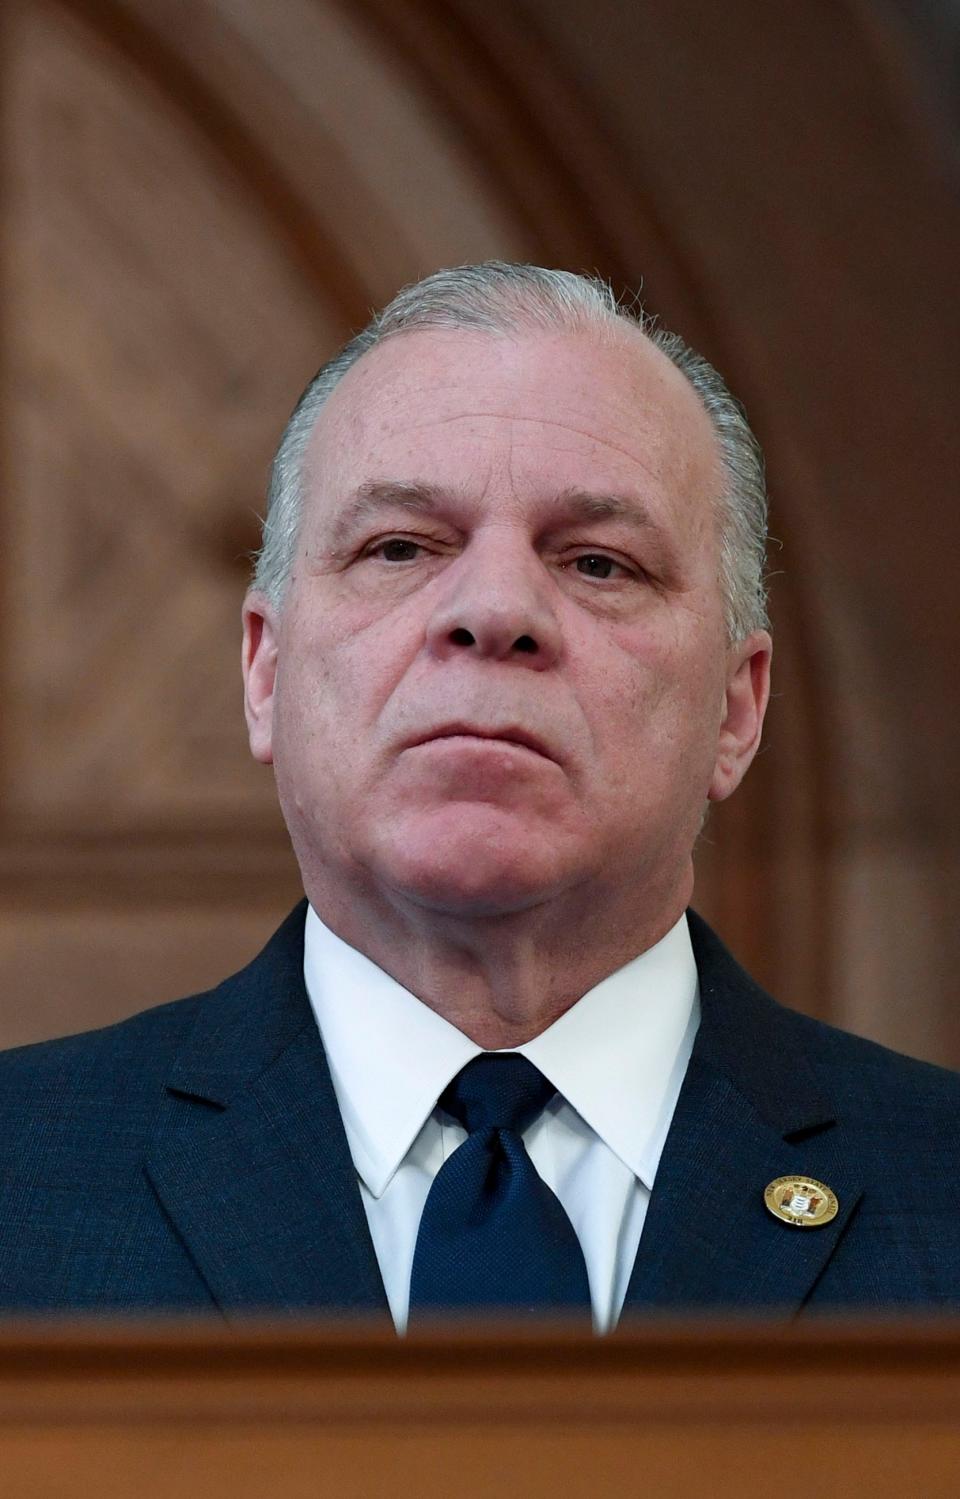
(390, 1055)
(618, 1056)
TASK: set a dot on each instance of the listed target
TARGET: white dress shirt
(617, 1059)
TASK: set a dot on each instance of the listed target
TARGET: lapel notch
(252, 1163)
(751, 1109)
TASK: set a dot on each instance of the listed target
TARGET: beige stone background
(202, 198)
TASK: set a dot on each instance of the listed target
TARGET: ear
(259, 662)
(745, 703)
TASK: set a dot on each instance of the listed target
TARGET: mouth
(508, 735)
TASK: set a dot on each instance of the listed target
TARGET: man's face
(500, 674)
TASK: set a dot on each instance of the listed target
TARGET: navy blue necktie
(492, 1233)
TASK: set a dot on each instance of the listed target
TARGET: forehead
(539, 410)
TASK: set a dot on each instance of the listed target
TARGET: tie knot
(499, 1090)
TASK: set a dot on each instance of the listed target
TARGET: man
(505, 643)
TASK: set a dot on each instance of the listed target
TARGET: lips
(510, 734)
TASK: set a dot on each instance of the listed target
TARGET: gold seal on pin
(801, 1201)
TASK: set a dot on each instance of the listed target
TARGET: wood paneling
(674, 1411)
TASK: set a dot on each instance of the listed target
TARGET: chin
(471, 866)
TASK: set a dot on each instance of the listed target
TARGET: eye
(599, 565)
(395, 549)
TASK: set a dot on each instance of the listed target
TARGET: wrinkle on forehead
(405, 356)
(515, 419)
(641, 409)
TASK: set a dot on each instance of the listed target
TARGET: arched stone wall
(204, 199)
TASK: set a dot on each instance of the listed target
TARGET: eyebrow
(422, 498)
(375, 495)
(582, 504)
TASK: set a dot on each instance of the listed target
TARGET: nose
(496, 604)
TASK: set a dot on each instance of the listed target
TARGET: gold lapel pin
(801, 1201)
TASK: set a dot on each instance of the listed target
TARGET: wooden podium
(273, 1411)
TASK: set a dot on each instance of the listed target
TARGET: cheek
(653, 703)
(335, 677)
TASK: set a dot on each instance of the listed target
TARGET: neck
(502, 979)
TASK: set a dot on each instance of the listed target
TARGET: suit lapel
(252, 1163)
(709, 1240)
(253, 1167)
(750, 1110)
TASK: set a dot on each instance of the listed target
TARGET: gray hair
(496, 297)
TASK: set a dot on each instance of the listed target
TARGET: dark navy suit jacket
(193, 1159)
